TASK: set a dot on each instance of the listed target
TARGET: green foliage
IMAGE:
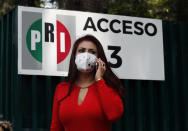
(5, 7)
(160, 9)
(129, 8)
(38, 3)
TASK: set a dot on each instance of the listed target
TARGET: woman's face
(87, 46)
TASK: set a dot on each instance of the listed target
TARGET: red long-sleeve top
(100, 107)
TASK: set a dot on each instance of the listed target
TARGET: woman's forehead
(87, 44)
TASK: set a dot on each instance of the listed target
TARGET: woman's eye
(81, 50)
(93, 52)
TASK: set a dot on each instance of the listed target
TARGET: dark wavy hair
(110, 78)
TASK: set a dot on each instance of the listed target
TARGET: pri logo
(34, 39)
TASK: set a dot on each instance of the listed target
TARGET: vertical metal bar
(164, 107)
(1, 115)
(127, 108)
(118, 125)
(17, 83)
(3, 65)
(18, 111)
(183, 31)
(164, 95)
(132, 106)
(34, 103)
(12, 66)
(139, 115)
(7, 83)
(49, 100)
(113, 127)
(151, 112)
(174, 78)
(1, 69)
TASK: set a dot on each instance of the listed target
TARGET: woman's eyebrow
(82, 48)
(92, 49)
(85, 48)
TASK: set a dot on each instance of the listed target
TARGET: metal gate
(26, 101)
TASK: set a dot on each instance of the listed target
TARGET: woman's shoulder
(63, 84)
(62, 89)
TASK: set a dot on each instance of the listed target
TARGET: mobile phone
(96, 65)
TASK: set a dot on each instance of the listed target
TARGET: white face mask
(85, 61)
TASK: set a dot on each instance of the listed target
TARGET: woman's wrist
(97, 79)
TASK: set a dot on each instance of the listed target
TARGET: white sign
(133, 46)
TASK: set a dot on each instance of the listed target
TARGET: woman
(92, 96)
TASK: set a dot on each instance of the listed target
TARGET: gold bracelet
(99, 79)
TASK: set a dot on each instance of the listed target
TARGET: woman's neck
(85, 77)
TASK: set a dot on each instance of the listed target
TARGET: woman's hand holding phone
(100, 69)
